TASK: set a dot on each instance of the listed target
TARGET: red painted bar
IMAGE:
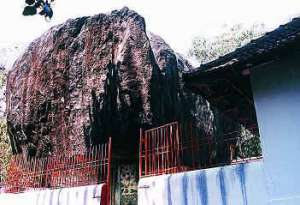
(79, 169)
(176, 147)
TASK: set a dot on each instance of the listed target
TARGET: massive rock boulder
(95, 77)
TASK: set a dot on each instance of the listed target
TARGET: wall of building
(276, 89)
(229, 185)
(85, 195)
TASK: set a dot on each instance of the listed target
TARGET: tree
(42, 7)
(5, 149)
(2, 76)
(208, 49)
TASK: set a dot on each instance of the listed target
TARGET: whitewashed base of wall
(84, 195)
(241, 184)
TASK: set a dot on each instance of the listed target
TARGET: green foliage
(208, 49)
(234, 140)
(2, 78)
(249, 144)
(42, 7)
(5, 150)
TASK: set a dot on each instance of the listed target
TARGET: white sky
(177, 21)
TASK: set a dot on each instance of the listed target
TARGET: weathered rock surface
(8, 55)
(95, 77)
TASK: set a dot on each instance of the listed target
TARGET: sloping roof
(265, 48)
(225, 82)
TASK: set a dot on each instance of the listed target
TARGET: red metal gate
(178, 147)
(86, 168)
(160, 150)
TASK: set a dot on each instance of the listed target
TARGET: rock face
(95, 77)
(8, 54)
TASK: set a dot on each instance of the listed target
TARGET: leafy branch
(42, 7)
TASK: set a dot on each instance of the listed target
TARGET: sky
(177, 21)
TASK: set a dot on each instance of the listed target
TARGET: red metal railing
(176, 147)
(86, 168)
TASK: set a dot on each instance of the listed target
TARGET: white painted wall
(84, 195)
(276, 90)
(241, 184)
